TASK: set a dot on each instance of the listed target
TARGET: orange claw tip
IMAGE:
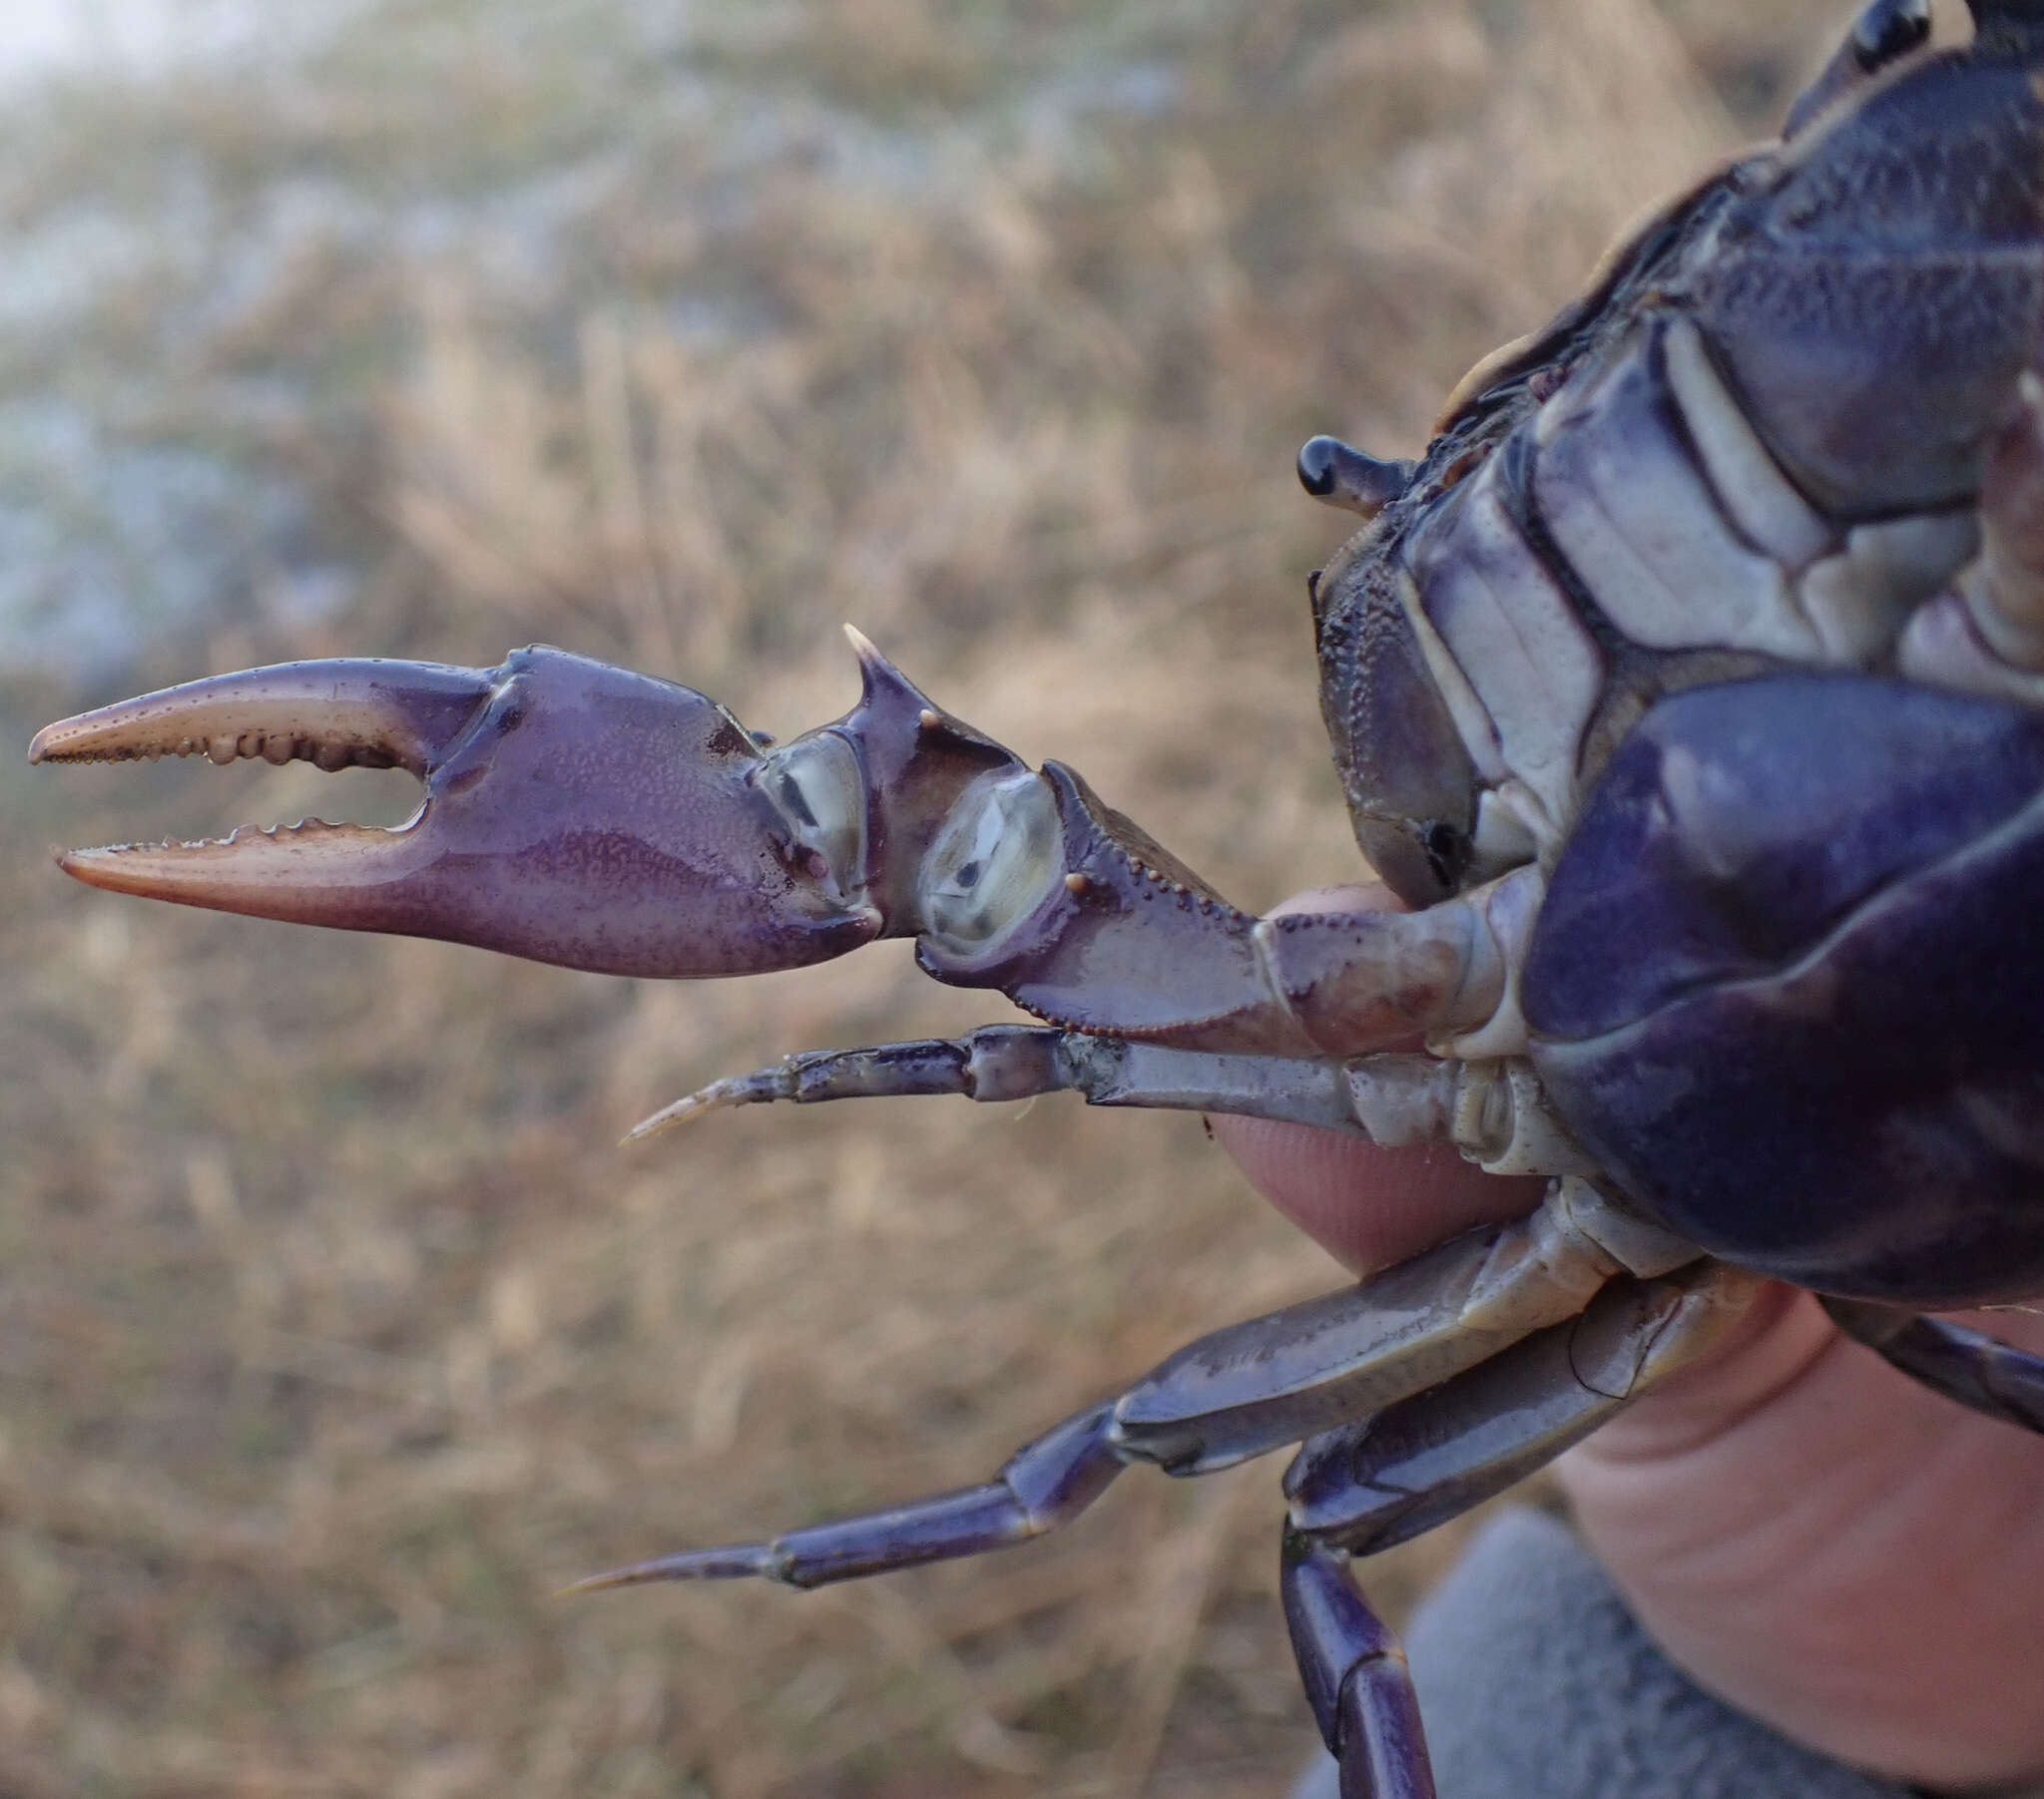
(733, 1562)
(309, 873)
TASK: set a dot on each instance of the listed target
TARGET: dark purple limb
(1355, 1676)
(1966, 1366)
(1001, 1063)
(574, 813)
(1237, 1393)
(585, 815)
(1383, 1479)
(1249, 1388)
(1044, 1485)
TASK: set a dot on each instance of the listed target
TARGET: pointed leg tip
(731, 1562)
(670, 1117)
(659, 1123)
(755, 1089)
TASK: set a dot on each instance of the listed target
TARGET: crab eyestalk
(1352, 480)
(574, 813)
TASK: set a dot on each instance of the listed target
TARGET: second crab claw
(574, 813)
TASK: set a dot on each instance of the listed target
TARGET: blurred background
(334, 1332)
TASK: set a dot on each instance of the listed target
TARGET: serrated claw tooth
(309, 873)
(360, 710)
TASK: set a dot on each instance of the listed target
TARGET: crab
(1709, 625)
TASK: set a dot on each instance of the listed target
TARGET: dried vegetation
(332, 1331)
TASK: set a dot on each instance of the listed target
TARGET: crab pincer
(574, 813)
(585, 815)
(570, 809)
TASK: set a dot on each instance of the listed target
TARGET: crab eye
(1349, 478)
(1889, 30)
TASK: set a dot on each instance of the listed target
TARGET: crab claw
(581, 814)
(574, 813)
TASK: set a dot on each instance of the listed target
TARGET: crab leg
(581, 814)
(1355, 1676)
(1000, 1063)
(1244, 1391)
(1493, 1111)
(1253, 1387)
(570, 807)
(1045, 1484)
(1966, 1366)
(1383, 1479)
(1378, 1482)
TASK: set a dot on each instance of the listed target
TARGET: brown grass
(334, 1333)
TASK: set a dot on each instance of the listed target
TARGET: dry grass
(332, 1331)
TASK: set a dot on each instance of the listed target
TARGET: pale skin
(1812, 1536)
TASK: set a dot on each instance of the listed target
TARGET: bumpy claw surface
(574, 813)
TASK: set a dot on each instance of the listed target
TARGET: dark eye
(1886, 33)
(1889, 30)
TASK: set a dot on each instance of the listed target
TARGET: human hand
(1812, 1536)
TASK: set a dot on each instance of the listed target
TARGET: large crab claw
(581, 814)
(574, 813)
